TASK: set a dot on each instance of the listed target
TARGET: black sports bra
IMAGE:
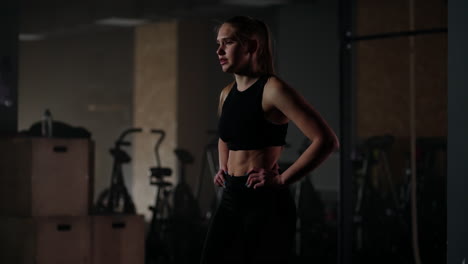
(242, 124)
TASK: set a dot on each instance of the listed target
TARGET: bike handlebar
(159, 131)
(156, 147)
(120, 140)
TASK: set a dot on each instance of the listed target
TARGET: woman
(255, 221)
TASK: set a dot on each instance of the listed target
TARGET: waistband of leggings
(238, 183)
(236, 179)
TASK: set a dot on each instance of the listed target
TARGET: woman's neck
(245, 81)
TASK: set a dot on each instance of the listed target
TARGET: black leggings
(251, 226)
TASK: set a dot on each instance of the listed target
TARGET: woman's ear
(252, 45)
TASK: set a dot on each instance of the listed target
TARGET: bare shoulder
(277, 89)
(275, 84)
(225, 91)
(223, 95)
(289, 101)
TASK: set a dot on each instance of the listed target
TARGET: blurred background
(109, 118)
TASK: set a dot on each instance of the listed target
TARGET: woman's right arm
(223, 153)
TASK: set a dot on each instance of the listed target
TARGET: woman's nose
(220, 50)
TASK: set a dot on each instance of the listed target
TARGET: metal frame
(346, 9)
(346, 14)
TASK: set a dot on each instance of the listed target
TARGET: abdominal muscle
(240, 162)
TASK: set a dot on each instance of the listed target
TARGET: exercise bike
(186, 217)
(157, 245)
(116, 199)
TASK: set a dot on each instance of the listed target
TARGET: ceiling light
(121, 22)
(30, 37)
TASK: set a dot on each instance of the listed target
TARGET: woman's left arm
(324, 141)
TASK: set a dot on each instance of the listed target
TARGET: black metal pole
(9, 17)
(457, 199)
(345, 232)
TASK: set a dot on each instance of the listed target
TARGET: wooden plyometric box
(46, 176)
(45, 240)
(118, 239)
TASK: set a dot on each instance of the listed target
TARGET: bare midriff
(240, 162)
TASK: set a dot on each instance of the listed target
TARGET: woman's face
(232, 56)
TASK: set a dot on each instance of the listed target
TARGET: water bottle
(46, 124)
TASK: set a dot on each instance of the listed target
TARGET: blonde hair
(248, 28)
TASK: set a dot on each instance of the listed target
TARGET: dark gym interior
(108, 118)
